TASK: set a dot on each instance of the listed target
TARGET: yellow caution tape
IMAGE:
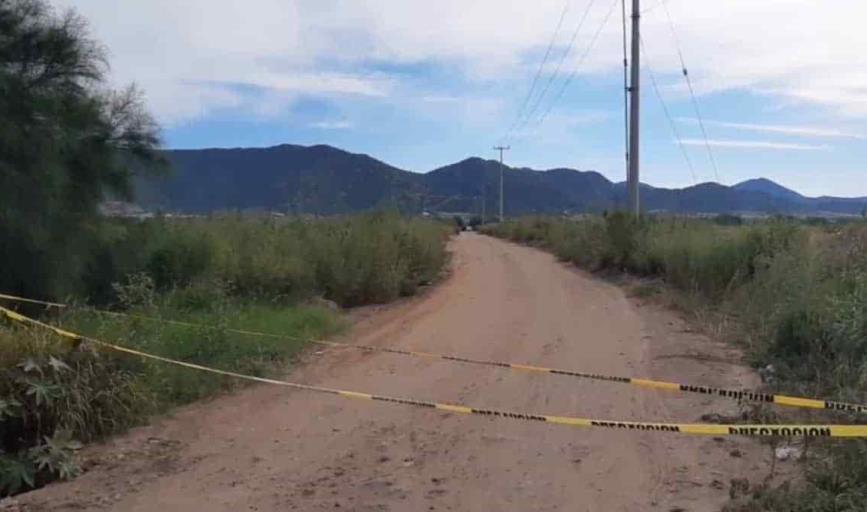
(734, 394)
(684, 428)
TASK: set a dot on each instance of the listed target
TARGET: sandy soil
(268, 448)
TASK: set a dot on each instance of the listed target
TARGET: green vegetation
(794, 295)
(352, 260)
(53, 396)
(224, 273)
(213, 345)
(67, 144)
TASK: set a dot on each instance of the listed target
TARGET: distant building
(123, 209)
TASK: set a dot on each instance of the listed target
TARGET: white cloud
(321, 83)
(754, 144)
(809, 52)
(333, 125)
(806, 131)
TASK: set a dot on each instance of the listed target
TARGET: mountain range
(326, 180)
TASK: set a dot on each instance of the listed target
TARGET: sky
(779, 85)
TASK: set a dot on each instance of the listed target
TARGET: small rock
(713, 417)
(736, 453)
(788, 452)
(768, 373)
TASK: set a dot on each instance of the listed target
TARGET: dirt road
(269, 449)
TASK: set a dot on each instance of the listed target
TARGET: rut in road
(267, 448)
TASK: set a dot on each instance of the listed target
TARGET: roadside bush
(351, 260)
(376, 258)
(621, 235)
(695, 256)
(183, 256)
(52, 397)
(834, 483)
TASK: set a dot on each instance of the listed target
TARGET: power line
(554, 75)
(569, 78)
(667, 113)
(654, 7)
(539, 70)
(625, 85)
(698, 115)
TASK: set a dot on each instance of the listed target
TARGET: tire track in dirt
(267, 449)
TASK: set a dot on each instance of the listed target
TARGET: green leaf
(43, 393)
(9, 408)
(56, 454)
(15, 473)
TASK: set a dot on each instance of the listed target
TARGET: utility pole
(501, 149)
(484, 197)
(632, 177)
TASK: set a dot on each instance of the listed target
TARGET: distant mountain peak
(769, 187)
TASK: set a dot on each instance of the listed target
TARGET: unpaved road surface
(272, 449)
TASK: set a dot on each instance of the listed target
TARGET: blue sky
(781, 84)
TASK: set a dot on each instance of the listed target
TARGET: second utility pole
(501, 149)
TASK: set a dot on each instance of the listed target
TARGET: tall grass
(221, 273)
(794, 295)
(695, 256)
(351, 260)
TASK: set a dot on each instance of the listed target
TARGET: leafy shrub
(621, 230)
(53, 397)
(138, 291)
(183, 257)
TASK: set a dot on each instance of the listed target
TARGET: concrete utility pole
(632, 178)
(484, 197)
(501, 149)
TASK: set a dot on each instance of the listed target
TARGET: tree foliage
(67, 142)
